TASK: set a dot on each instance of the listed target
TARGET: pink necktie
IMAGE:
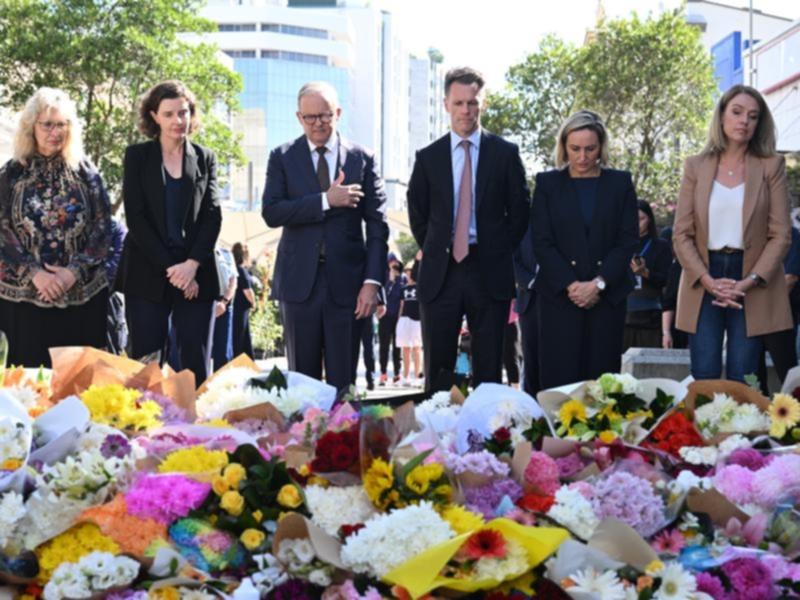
(464, 214)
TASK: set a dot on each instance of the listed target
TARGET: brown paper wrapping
(719, 509)
(265, 411)
(295, 526)
(741, 393)
(621, 542)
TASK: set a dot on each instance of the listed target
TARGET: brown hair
(762, 144)
(583, 119)
(465, 75)
(151, 100)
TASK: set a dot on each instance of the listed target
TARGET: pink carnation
(542, 474)
(735, 483)
(779, 478)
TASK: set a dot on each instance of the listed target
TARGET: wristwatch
(756, 278)
(600, 283)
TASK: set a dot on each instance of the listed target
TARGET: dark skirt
(33, 330)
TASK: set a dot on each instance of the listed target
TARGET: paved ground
(390, 390)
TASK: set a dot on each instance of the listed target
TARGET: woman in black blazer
(168, 272)
(585, 231)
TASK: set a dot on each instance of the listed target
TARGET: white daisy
(605, 583)
(676, 583)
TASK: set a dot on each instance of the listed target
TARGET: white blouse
(725, 208)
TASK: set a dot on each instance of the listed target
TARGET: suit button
(573, 263)
(447, 250)
(599, 262)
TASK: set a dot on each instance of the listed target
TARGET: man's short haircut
(323, 88)
(465, 75)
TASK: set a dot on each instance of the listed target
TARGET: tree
(106, 54)
(651, 81)
(407, 246)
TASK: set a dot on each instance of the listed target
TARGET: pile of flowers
(722, 414)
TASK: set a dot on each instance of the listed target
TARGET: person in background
(585, 231)
(388, 314)
(525, 268)
(224, 311)
(168, 273)
(781, 345)
(117, 331)
(731, 234)
(650, 267)
(368, 346)
(244, 301)
(409, 334)
(54, 236)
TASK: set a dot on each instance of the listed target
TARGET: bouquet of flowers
(392, 485)
(122, 408)
(615, 405)
(722, 408)
(95, 573)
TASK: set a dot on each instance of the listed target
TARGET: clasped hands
(182, 276)
(53, 282)
(583, 294)
(727, 292)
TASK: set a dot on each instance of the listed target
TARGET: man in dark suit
(525, 268)
(467, 206)
(321, 188)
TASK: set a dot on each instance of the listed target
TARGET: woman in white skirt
(408, 335)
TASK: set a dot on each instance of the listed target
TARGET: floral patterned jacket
(52, 214)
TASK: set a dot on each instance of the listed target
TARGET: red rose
(345, 531)
(536, 502)
(502, 435)
(342, 457)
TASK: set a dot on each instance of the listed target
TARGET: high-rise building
(426, 117)
(279, 45)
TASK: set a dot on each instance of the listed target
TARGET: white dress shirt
(458, 169)
(725, 208)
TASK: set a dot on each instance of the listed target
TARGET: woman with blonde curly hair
(54, 235)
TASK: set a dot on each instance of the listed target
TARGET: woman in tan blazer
(731, 233)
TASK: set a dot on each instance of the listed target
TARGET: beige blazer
(767, 237)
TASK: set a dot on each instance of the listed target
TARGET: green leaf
(414, 462)
(701, 399)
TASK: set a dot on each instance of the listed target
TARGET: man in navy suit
(467, 206)
(321, 188)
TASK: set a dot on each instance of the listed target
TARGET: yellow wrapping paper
(420, 574)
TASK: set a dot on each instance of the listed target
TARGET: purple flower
(115, 446)
(750, 579)
(630, 499)
(748, 458)
(485, 499)
(475, 441)
(294, 589)
(128, 595)
(171, 414)
(711, 585)
(165, 498)
(569, 465)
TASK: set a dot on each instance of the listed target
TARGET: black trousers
(386, 338)
(32, 330)
(576, 344)
(319, 330)
(365, 339)
(242, 340)
(529, 332)
(463, 293)
(511, 352)
(191, 321)
(781, 347)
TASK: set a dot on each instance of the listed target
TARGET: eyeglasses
(325, 118)
(49, 126)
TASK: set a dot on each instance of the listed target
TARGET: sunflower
(574, 410)
(784, 413)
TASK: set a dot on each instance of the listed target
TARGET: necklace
(730, 170)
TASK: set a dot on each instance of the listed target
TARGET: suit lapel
(595, 230)
(189, 176)
(573, 207)
(154, 184)
(301, 156)
(706, 172)
(754, 175)
(485, 166)
(341, 160)
(445, 163)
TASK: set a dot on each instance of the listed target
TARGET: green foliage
(266, 330)
(407, 246)
(106, 54)
(651, 81)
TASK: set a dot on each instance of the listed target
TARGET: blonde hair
(46, 99)
(762, 144)
(583, 119)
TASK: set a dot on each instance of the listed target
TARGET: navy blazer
(564, 251)
(293, 200)
(145, 256)
(525, 270)
(501, 206)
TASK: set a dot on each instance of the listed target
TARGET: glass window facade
(295, 30)
(241, 53)
(270, 96)
(237, 27)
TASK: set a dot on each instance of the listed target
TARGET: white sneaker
(404, 382)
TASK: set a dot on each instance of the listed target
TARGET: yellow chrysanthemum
(378, 478)
(607, 436)
(653, 566)
(118, 406)
(460, 519)
(195, 459)
(70, 546)
(164, 593)
(573, 410)
(784, 413)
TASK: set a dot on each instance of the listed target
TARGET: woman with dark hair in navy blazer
(173, 215)
(585, 231)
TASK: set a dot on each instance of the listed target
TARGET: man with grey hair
(326, 193)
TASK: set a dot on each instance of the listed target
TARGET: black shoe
(370, 385)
